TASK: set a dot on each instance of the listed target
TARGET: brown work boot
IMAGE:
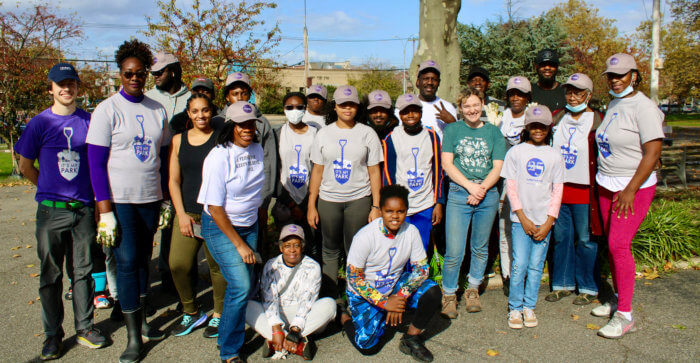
(449, 306)
(471, 296)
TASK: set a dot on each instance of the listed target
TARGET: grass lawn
(5, 164)
(683, 119)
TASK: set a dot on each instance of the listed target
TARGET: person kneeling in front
(289, 290)
(380, 289)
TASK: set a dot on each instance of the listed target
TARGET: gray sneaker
(606, 310)
(617, 327)
(529, 318)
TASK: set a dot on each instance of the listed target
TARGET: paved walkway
(666, 310)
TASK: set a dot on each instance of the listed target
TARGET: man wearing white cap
(170, 91)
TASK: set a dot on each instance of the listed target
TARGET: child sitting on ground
(379, 287)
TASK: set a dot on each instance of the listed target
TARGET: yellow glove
(166, 215)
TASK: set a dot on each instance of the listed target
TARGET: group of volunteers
(363, 193)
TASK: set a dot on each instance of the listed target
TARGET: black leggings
(428, 305)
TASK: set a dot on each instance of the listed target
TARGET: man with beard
(547, 91)
(380, 118)
(316, 97)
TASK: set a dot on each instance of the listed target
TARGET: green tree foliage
(29, 46)
(377, 76)
(508, 49)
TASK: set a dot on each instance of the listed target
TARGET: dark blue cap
(62, 71)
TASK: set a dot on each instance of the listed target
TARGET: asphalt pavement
(666, 310)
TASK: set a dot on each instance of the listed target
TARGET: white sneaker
(515, 319)
(529, 318)
(606, 310)
(617, 327)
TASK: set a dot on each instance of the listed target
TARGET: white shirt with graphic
(571, 139)
(511, 127)
(134, 132)
(414, 168)
(345, 155)
(295, 156)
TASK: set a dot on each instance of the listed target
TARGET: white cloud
(335, 23)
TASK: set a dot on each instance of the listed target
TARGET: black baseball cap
(62, 71)
(547, 55)
(478, 71)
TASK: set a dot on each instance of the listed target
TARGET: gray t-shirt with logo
(345, 155)
(535, 169)
(628, 124)
(295, 156)
(414, 168)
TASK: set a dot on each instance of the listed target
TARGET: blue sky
(109, 23)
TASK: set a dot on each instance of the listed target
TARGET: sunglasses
(292, 107)
(139, 74)
(158, 73)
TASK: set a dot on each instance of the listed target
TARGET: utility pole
(307, 82)
(655, 59)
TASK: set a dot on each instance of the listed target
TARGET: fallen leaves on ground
(678, 326)
(31, 302)
(28, 246)
(592, 326)
(15, 248)
(30, 265)
(501, 332)
(34, 275)
(575, 317)
(647, 283)
(668, 266)
(16, 255)
(492, 353)
(13, 283)
(38, 334)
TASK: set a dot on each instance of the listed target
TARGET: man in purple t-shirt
(65, 219)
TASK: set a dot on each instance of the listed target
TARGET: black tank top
(191, 161)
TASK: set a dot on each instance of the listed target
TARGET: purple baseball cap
(161, 60)
(241, 111)
(580, 81)
(406, 100)
(237, 77)
(520, 83)
(317, 89)
(620, 63)
(379, 98)
(291, 230)
(538, 114)
(427, 65)
(344, 94)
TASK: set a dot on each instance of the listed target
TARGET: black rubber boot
(134, 345)
(116, 314)
(148, 333)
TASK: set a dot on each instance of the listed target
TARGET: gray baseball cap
(317, 89)
(237, 77)
(241, 111)
(344, 94)
(580, 81)
(429, 64)
(620, 63)
(406, 100)
(520, 83)
(538, 114)
(379, 98)
(203, 82)
(161, 60)
(291, 230)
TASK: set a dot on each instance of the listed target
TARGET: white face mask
(294, 116)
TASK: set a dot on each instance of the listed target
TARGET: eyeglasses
(292, 107)
(139, 74)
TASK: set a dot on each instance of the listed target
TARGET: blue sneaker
(189, 323)
(212, 330)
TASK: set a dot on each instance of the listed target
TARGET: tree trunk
(438, 41)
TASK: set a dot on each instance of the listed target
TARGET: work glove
(107, 229)
(166, 215)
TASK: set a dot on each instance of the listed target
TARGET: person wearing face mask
(295, 141)
(629, 145)
(379, 115)
(412, 159)
(547, 91)
(574, 255)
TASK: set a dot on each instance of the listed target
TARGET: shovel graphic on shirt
(142, 145)
(603, 145)
(383, 281)
(341, 167)
(298, 173)
(415, 178)
(68, 160)
(569, 152)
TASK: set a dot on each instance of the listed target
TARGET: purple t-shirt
(59, 144)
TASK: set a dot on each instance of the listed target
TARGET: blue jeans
(528, 259)
(575, 255)
(459, 215)
(423, 220)
(237, 274)
(136, 226)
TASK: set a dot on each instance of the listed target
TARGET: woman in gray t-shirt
(345, 179)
